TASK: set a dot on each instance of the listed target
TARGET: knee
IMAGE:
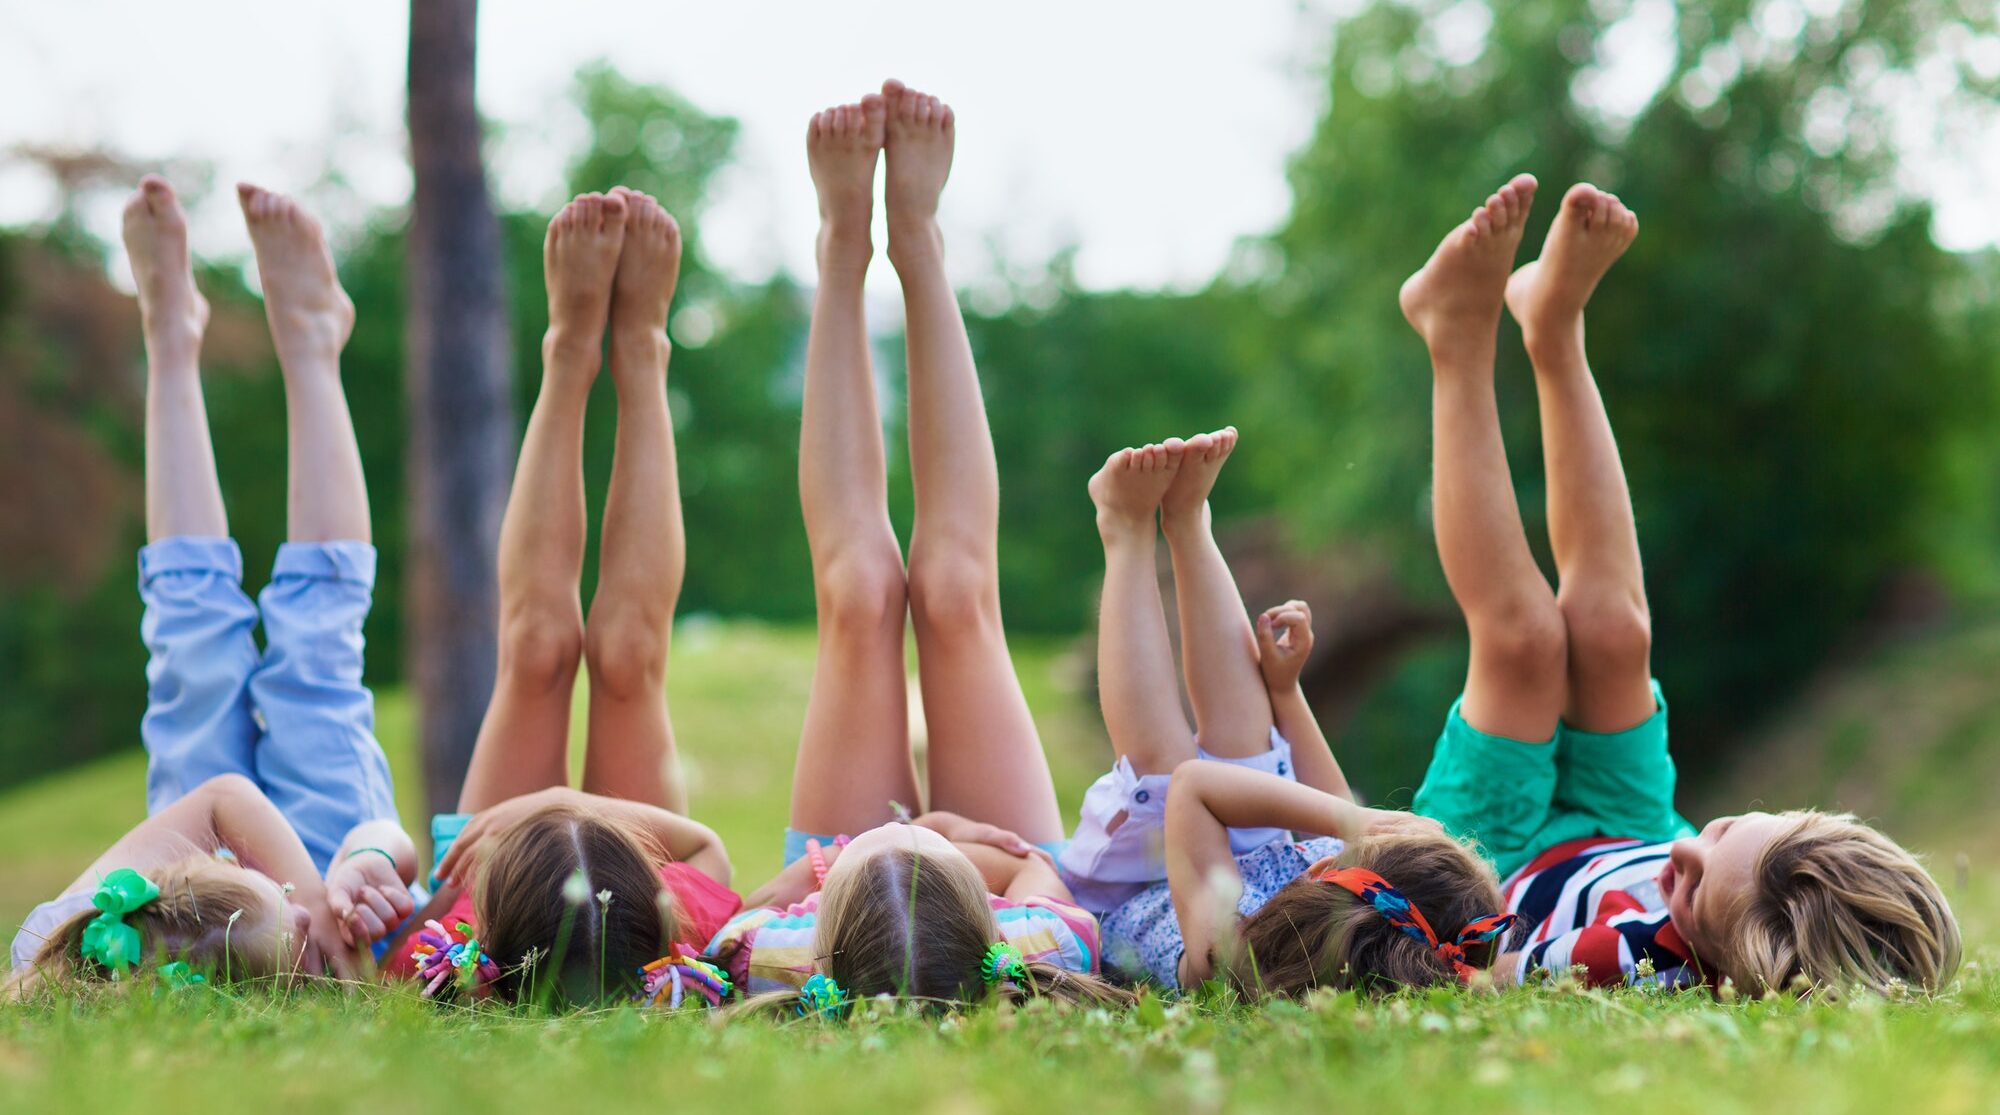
(540, 651)
(627, 653)
(1611, 631)
(863, 590)
(950, 592)
(1528, 643)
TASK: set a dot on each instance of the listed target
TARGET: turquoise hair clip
(176, 975)
(822, 996)
(1003, 962)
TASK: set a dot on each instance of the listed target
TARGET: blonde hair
(1837, 904)
(1314, 934)
(916, 928)
(551, 949)
(191, 920)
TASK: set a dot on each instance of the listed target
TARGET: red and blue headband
(1399, 911)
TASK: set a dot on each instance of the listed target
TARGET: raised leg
(985, 756)
(1602, 590)
(1135, 663)
(1232, 709)
(854, 752)
(1515, 685)
(524, 740)
(197, 624)
(631, 751)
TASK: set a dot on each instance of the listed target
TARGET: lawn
(737, 693)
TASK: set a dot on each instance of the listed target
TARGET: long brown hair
(916, 928)
(191, 920)
(557, 951)
(1313, 934)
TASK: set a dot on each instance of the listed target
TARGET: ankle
(1178, 523)
(1552, 344)
(914, 239)
(1124, 529)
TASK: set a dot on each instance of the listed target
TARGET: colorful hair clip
(1003, 962)
(442, 956)
(177, 976)
(675, 974)
(108, 939)
(822, 996)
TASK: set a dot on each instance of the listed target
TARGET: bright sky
(1151, 134)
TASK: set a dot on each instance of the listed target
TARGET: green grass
(738, 693)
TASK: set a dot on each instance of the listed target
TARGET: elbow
(228, 788)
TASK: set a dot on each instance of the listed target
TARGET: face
(1709, 877)
(894, 835)
(271, 934)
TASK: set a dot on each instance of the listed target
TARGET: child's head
(1768, 898)
(570, 907)
(1315, 933)
(905, 913)
(223, 920)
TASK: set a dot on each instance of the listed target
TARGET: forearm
(1236, 797)
(685, 840)
(1202, 877)
(1312, 756)
(788, 886)
(252, 828)
(385, 837)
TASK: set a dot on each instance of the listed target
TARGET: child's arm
(1016, 876)
(685, 840)
(368, 885)
(1284, 642)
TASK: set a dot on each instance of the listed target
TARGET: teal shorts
(1517, 799)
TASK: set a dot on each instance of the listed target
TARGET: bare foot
(173, 311)
(1454, 301)
(310, 315)
(579, 262)
(920, 137)
(843, 145)
(1199, 468)
(1128, 488)
(1590, 232)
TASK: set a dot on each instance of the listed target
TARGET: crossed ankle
(913, 239)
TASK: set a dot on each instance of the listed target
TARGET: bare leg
(183, 497)
(854, 753)
(1135, 662)
(1232, 709)
(1515, 685)
(986, 758)
(1603, 591)
(524, 740)
(310, 318)
(631, 753)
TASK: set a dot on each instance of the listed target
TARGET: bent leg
(985, 758)
(524, 740)
(1603, 589)
(854, 750)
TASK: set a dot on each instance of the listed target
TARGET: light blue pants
(295, 719)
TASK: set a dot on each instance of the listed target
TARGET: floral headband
(1399, 911)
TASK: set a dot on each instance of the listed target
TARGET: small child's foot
(579, 262)
(1454, 300)
(843, 144)
(649, 264)
(921, 132)
(1128, 488)
(1201, 464)
(173, 311)
(310, 316)
(1590, 232)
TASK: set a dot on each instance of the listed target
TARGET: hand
(1398, 822)
(1284, 641)
(457, 865)
(964, 830)
(326, 949)
(367, 897)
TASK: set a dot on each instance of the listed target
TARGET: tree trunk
(461, 408)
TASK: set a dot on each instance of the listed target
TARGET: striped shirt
(1597, 902)
(771, 949)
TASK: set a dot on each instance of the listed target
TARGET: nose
(1686, 856)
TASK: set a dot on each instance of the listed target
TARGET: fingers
(341, 905)
(401, 902)
(367, 923)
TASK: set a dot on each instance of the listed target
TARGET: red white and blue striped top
(1596, 903)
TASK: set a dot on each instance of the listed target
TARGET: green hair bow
(108, 940)
(1003, 962)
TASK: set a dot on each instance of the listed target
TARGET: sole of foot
(920, 136)
(843, 146)
(310, 315)
(1454, 299)
(1200, 465)
(1591, 230)
(579, 264)
(155, 233)
(1127, 490)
